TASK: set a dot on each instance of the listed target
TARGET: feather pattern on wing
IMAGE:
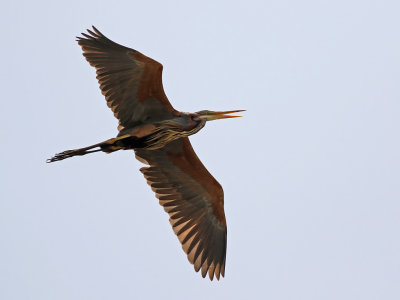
(130, 81)
(194, 201)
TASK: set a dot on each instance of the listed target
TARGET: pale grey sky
(311, 174)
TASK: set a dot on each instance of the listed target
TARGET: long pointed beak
(215, 115)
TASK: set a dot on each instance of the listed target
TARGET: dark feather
(195, 205)
(129, 80)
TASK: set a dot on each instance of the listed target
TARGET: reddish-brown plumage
(193, 200)
(150, 83)
(132, 85)
(191, 165)
(130, 81)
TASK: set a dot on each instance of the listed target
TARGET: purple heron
(132, 85)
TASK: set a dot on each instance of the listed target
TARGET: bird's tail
(107, 146)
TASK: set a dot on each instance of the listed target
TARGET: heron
(148, 124)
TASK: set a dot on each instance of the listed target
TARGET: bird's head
(209, 115)
(190, 123)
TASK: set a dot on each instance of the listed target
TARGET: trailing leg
(106, 146)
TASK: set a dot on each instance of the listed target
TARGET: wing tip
(94, 34)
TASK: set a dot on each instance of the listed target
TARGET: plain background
(311, 173)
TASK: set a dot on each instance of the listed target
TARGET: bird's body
(148, 124)
(147, 136)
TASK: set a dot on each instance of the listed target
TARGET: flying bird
(132, 85)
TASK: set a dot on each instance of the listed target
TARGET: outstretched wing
(194, 201)
(130, 81)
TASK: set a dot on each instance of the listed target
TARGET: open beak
(215, 115)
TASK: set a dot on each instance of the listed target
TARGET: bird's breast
(157, 135)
